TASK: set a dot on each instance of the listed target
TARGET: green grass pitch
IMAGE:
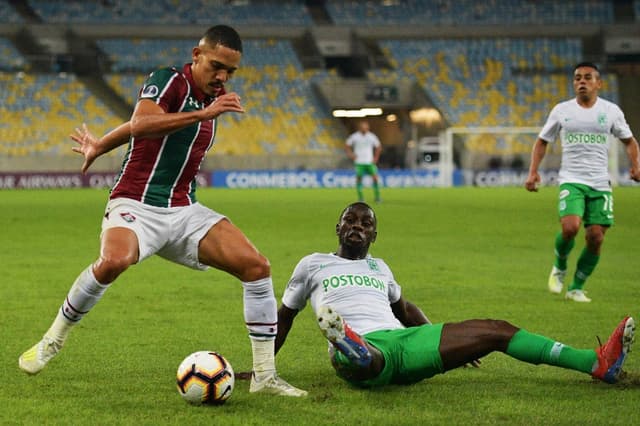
(458, 253)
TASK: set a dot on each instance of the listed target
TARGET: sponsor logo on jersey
(564, 193)
(586, 138)
(343, 280)
(150, 91)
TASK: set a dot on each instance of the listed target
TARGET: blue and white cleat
(342, 337)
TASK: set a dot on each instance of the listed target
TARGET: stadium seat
(492, 81)
(491, 74)
(190, 12)
(8, 15)
(469, 12)
(63, 103)
(10, 58)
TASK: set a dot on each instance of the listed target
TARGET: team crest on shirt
(373, 265)
(150, 91)
(602, 119)
(128, 217)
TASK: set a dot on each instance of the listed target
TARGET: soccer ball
(205, 377)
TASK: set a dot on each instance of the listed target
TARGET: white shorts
(173, 233)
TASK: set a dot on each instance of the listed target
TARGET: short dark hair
(223, 35)
(586, 64)
(358, 205)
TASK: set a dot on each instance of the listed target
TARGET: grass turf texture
(458, 253)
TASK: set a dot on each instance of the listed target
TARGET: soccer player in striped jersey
(377, 337)
(584, 125)
(152, 207)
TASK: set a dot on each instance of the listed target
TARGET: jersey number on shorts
(608, 203)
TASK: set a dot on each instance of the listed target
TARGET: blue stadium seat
(490, 82)
(63, 103)
(8, 15)
(145, 55)
(201, 12)
(469, 12)
(10, 58)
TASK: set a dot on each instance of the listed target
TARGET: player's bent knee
(108, 268)
(595, 239)
(569, 232)
(256, 269)
(502, 328)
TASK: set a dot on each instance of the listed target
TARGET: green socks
(586, 264)
(537, 349)
(562, 251)
(376, 191)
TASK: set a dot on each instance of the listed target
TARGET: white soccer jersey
(584, 134)
(359, 290)
(363, 145)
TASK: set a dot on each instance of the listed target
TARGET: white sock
(261, 319)
(85, 292)
(260, 310)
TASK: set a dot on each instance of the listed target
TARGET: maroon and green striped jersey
(161, 171)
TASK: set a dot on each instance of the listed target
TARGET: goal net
(500, 156)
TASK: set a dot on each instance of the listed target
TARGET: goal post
(500, 156)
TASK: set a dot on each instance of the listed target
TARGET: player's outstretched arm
(349, 151)
(286, 316)
(376, 154)
(537, 154)
(633, 153)
(408, 313)
(90, 147)
(150, 120)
